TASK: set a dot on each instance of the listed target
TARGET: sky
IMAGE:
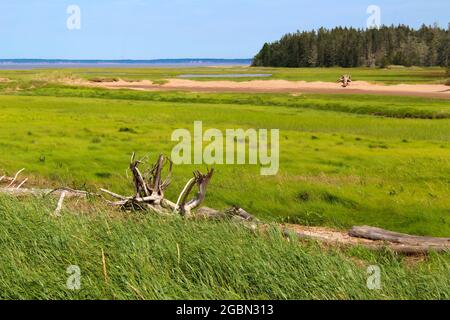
(156, 29)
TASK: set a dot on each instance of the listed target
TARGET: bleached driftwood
(149, 187)
(17, 191)
(15, 178)
(345, 79)
(60, 203)
(401, 241)
(69, 193)
(11, 181)
(370, 238)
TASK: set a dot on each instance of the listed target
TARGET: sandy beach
(278, 86)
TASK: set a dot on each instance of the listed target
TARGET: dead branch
(60, 203)
(15, 178)
(41, 192)
(71, 193)
(139, 183)
(62, 192)
(185, 192)
(114, 195)
(25, 192)
(201, 180)
(22, 183)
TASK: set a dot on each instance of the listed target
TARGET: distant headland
(68, 63)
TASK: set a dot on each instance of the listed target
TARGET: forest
(350, 47)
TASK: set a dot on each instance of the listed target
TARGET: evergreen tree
(350, 47)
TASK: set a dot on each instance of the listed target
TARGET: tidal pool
(227, 75)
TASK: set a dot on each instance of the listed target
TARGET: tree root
(150, 187)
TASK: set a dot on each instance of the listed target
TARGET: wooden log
(43, 192)
(368, 244)
(373, 233)
(25, 192)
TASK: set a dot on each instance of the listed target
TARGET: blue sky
(152, 29)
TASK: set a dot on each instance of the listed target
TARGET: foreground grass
(149, 257)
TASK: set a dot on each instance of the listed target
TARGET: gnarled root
(150, 187)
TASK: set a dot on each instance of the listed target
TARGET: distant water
(26, 64)
(226, 75)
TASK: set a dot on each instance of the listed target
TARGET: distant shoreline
(23, 64)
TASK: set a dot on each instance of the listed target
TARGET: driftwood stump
(345, 80)
(149, 186)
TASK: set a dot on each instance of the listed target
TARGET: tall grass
(149, 257)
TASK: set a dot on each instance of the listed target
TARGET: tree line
(350, 47)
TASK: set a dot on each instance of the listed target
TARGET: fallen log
(370, 244)
(42, 192)
(354, 238)
(69, 193)
(401, 239)
(62, 193)
(25, 192)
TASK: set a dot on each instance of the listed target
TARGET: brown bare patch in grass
(412, 261)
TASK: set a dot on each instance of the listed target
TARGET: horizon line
(119, 60)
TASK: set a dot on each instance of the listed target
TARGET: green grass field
(344, 161)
